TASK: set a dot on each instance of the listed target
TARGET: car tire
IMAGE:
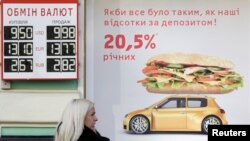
(210, 120)
(139, 124)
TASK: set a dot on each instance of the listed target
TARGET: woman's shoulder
(104, 139)
(89, 135)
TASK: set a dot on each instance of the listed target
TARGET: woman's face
(90, 119)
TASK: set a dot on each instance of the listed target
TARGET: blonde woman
(78, 123)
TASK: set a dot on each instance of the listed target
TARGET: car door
(171, 115)
(195, 110)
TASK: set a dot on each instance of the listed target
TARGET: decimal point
(129, 47)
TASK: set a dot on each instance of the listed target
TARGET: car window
(197, 102)
(174, 103)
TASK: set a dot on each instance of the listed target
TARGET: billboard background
(215, 28)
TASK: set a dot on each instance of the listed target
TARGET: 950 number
(18, 33)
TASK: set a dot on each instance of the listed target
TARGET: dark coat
(90, 135)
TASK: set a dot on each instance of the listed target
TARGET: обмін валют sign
(39, 39)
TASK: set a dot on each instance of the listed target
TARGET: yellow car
(176, 113)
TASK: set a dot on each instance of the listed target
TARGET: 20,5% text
(119, 41)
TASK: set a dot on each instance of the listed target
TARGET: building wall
(26, 110)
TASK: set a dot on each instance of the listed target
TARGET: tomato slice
(161, 63)
(222, 72)
(143, 81)
(148, 69)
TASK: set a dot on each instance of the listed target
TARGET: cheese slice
(188, 78)
(191, 70)
(213, 83)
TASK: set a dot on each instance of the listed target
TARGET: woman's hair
(72, 122)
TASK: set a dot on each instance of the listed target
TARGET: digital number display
(18, 33)
(18, 65)
(61, 64)
(39, 40)
(18, 49)
(61, 32)
(61, 48)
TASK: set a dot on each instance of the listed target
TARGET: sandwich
(183, 73)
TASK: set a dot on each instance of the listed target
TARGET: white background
(113, 86)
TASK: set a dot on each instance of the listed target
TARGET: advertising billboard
(154, 67)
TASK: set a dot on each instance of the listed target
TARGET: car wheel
(139, 124)
(211, 120)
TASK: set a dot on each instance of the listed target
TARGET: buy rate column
(40, 41)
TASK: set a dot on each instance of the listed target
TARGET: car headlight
(126, 116)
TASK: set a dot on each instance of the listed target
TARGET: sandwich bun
(190, 89)
(192, 59)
